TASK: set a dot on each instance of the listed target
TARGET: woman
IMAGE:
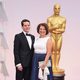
(42, 49)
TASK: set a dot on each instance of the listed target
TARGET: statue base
(58, 74)
(58, 77)
(57, 71)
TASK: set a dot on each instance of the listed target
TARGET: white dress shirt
(29, 40)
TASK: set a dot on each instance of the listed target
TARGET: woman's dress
(39, 55)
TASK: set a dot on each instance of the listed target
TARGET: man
(56, 24)
(23, 51)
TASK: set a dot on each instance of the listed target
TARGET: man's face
(57, 9)
(26, 26)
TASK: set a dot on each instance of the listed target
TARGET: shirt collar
(25, 32)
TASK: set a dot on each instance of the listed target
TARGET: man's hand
(20, 68)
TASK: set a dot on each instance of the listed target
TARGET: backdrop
(38, 11)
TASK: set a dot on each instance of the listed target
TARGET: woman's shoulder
(49, 39)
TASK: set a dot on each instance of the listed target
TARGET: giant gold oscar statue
(56, 24)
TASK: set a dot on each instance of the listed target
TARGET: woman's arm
(48, 52)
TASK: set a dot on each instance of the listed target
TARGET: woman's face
(42, 31)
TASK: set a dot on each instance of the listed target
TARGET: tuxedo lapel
(32, 41)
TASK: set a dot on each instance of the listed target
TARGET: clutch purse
(48, 63)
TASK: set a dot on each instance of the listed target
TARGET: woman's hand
(43, 66)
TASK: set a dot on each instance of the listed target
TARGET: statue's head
(57, 9)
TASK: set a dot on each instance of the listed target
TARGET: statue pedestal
(58, 74)
(58, 77)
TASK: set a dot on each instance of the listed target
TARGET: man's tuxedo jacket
(22, 52)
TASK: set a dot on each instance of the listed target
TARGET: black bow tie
(27, 34)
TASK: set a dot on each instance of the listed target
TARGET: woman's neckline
(43, 37)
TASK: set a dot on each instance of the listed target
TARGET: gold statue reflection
(57, 26)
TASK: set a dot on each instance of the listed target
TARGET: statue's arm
(50, 26)
(62, 27)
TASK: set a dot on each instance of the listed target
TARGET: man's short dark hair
(24, 20)
(45, 26)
